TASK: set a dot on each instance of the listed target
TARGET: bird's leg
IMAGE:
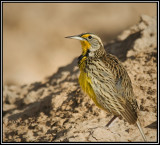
(109, 123)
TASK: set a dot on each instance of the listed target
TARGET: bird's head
(91, 43)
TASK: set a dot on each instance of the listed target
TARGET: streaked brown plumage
(105, 80)
(117, 90)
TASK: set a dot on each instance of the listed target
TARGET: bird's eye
(89, 37)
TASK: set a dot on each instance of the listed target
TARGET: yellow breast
(85, 83)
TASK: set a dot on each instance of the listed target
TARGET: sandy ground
(33, 34)
(56, 110)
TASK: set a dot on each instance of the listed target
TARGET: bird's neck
(82, 58)
(86, 53)
(98, 53)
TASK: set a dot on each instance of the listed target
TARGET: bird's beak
(76, 37)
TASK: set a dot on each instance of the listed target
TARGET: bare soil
(56, 110)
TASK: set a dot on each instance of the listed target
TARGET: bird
(106, 81)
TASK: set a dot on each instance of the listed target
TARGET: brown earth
(56, 110)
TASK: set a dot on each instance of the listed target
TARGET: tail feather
(131, 117)
(129, 113)
(141, 131)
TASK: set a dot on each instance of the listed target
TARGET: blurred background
(34, 46)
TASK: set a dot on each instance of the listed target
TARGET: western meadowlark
(105, 80)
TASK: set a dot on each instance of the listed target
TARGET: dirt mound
(57, 110)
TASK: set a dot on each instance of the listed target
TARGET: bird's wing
(108, 90)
